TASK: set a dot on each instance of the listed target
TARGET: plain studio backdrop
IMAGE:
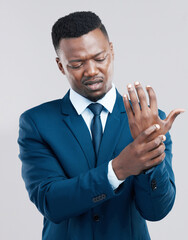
(150, 39)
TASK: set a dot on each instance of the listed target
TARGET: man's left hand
(141, 116)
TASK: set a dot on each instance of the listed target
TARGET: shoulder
(43, 109)
(43, 112)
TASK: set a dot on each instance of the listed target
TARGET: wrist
(118, 169)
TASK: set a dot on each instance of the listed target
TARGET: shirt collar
(80, 103)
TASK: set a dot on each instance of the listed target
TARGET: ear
(111, 49)
(60, 66)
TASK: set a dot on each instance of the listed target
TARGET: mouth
(94, 85)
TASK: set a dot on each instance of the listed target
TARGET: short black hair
(75, 25)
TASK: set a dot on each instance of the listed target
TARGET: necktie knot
(96, 108)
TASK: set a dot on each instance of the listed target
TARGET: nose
(90, 69)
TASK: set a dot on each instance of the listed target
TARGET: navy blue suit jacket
(76, 199)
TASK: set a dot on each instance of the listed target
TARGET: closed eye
(79, 64)
(76, 66)
(100, 59)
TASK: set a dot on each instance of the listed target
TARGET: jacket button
(153, 184)
(96, 218)
(103, 196)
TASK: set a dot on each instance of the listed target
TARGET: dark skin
(142, 118)
(148, 131)
(87, 62)
(139, 155)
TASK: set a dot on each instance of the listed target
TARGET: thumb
(172, 116)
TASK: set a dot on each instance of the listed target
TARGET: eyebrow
(80, 60)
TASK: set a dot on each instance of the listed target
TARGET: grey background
(151, 46)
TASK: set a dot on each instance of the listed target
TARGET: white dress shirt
(81, 103)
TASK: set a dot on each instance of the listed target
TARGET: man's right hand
(140, 155)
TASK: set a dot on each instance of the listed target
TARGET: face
(87, 62)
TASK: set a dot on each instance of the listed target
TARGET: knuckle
(132, 122)
(157, 161)
(164, 147)
(155, 114)
(141, 96)
(144, 134)
(147, 164)
(128, 109)
(156, 142)
(163, 156)
(160, 149)
(137, 153)
(160, 160)
(141, 153)
(134, 101)
(146, 116)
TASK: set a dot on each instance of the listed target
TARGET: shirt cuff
(113, 180)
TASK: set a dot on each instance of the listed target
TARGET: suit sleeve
(155, 192)
(56, 196)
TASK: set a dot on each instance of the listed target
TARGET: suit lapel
(78, 127)
(112, 131)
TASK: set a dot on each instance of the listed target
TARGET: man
(96, 164)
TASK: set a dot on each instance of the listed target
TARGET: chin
(96, 97)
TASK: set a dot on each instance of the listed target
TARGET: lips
(90, 80)
(93, 84)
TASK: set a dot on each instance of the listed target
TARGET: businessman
(96, 164)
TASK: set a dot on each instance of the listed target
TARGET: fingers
(145, 134)
(134, 99)
(152, 99)
(155, 161)
(156, 152)
(128, 107)
(141, 96)
(155, 143)
(171, 117)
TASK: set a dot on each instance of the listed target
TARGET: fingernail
(125, 96)
(148, 86)
(129, 86)
(157, 126)
(163, 138)
(136, 83)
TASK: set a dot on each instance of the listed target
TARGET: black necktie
(96, 126)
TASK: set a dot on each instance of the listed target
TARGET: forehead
(85, 46)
